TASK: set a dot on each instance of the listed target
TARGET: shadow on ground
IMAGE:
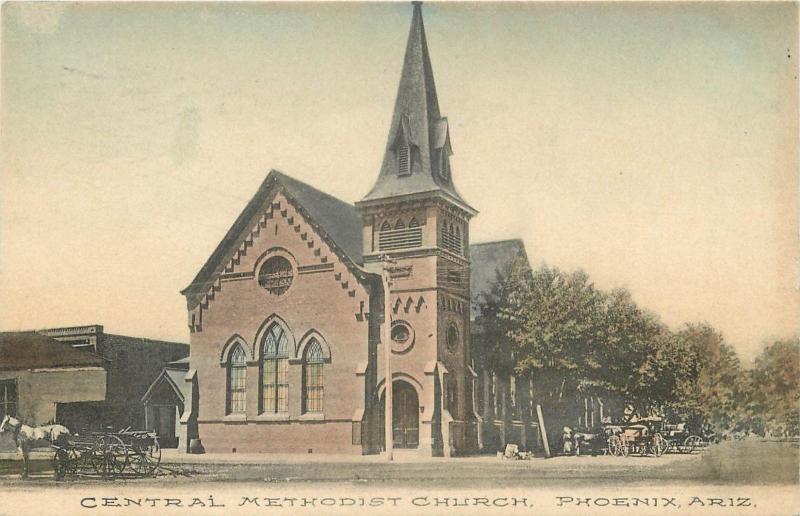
(751, 462)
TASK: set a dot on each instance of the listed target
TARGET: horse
(27, 437)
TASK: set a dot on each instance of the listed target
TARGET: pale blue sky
(654, 145)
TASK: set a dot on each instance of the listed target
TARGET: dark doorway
(405, 416)
(82, 416)
(164, 425)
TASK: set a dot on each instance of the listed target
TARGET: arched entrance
(405, 416)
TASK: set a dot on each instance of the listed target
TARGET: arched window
(386, 226)
(313, 379)
(237, 381)
(400, 225)
(275, 371)
(413, 223)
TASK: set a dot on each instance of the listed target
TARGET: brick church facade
(286, 315)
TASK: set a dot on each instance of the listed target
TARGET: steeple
(417, 156)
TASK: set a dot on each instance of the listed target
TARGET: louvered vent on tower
(403, 160)
(451, 238)
(401, 237)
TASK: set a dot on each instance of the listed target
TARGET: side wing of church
(286, 315)
(282, 344)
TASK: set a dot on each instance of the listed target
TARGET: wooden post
(586, 412)
(543, 431)
(386, 337)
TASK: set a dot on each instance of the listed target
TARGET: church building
(286, 316)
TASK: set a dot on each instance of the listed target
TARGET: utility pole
(386, 337)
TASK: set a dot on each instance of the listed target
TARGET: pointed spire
(417, 153)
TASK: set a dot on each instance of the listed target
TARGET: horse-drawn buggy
(682, 440)
(124, 454)
(641, 438)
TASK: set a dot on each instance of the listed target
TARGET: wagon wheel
(145, 458)
(109, 456)
(692, 443)
(659, 445)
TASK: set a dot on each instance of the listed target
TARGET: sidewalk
(174, 456)
(404, 456)
(412, 457)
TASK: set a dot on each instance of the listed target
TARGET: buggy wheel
(692, 443)
(624, 447)
(144, 459)
(659, 445)
(612, 445)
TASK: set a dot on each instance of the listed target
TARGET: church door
(405, 420)
(405, 416)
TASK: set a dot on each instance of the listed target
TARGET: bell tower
(415, 217)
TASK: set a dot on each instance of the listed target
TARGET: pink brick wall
(316, 304)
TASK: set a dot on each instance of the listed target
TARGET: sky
(653, 145)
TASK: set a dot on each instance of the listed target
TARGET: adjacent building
(40, 375)
(167, 401)
(504, 403)
(131, 363)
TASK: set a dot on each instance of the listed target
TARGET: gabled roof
(31, 350)
(416, 111)
(486, 259)
(175, 380)
(336, 220)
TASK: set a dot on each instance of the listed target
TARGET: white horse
(27, 437)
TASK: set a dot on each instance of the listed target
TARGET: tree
(625, 358)
(776, 387)
(551, 320)
(573, 340)
(711, 385)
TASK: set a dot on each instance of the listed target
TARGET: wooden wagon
(128, 453)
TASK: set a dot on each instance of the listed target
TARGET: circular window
(400, 333)
(276, 275)
(452, 337)
(402, 337)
